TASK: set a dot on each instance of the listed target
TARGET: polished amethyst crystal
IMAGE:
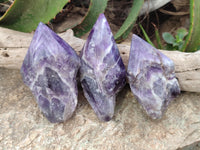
(102, 71)
(49, 69)
(151, 77)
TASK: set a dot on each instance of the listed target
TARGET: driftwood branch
(14, 45)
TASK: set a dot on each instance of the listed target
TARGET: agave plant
(23, 17)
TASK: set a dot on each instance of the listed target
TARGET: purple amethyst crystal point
(49, 69)
(151, 76)
(102, 71)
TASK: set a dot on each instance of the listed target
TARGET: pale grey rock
(22, 125)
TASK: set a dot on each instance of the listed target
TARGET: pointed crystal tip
(49, 69)
(102, 72)
(151, 76)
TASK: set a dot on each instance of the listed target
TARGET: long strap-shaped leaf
(192, 42)
(129, 22)
(96, 7)
(24, 15)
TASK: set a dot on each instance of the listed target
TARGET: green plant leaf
(193, 38)
(158, 40)
(181, 33)
(96, 7)
(175, 44)
(146, 36)
(129, 22)
(24, 15)
(180, 45)
(168, 38)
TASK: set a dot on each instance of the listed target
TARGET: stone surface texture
(49, 69)
(102, 72)
(151, 76)
(23, 126)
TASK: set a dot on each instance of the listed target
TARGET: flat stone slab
(22, 125)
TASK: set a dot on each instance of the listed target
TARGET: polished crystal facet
(151, 76)
(102, 72)
(49, 69)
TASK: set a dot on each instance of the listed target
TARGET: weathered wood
(14, 45)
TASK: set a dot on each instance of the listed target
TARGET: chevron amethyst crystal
(49, 69)
(102, 71)
(151, 77)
